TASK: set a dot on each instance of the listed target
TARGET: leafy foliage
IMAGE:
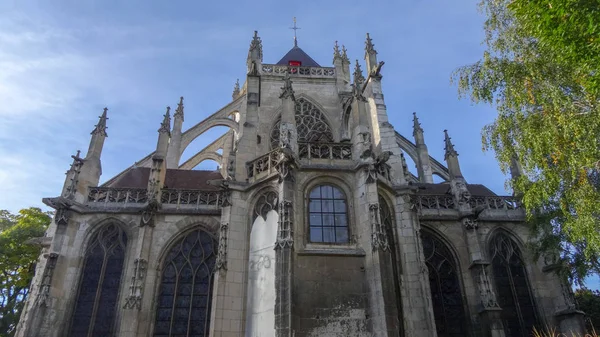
(541, 72)
(589, 302)
(17, 261)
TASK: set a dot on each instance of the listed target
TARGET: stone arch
(196, 160)
(311, 122)
(445, 283)
(98, 287)
(182, 228)
(201, 127)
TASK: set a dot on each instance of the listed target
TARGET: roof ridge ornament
(416, 125)
(100, 128)
(236, 89)
(165, 126)
(179, 110)
(287, 91)
(449, 147)
(295, 28)
(369, 46)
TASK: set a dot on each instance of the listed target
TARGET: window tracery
(512, 287)
(311, 125)
(96, 303)
(446, 294)
(184, 299)
(328, 218)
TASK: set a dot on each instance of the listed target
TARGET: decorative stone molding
(221, 263)
(371, 173)
(285, 237)
(62, 216)
(149, 212)
(379, 240)
(470, 223)
(44, 295)
(267, 202)
(286, 164)
(136, 289)
(486, 293)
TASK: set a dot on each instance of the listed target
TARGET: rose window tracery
(311, 125)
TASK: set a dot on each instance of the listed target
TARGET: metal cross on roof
(295, 29)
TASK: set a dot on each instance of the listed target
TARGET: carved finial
(165, 126)
(369, 46)
(336, 51)
(286, 90)
(179, 112)
(100, 128)
(358, 76)
(256, 44)
(236, 89)
(345, 55)
(416, 124)
(450, 151)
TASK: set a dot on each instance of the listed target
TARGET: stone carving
(226, 198)
(221, 262)
(286, 164)
(379, 240)
(365, 148)
(73, 176)
(461, 193)
(44, 294)
(231, 168)
(285, 237)
(342, 151)
(371, 173)
(470, 223)
(62, 216)
(134, 300)
(486, 293)
(286, 90)
(287, 134)
(149, 212)
(404, 166)
(299, 71)
(266, 202)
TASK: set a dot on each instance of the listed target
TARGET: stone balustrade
(440, 202)
(263, 165)
(108, 197)
(298, 71)
(98, 195)
(341, 151)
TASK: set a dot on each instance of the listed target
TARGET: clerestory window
(328, 215)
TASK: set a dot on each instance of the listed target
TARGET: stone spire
(423, 162)
(179, 111)
(370, 56)
(236, 89)
(286, 90)
(255, 52)
(100, 128)
(165, 126)
(516, 170)
(359, 79)
(451, 157)
(345, 55)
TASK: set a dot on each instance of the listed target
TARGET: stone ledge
(335, 251)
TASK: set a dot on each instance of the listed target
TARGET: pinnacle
(236, 89)
(100, 128)
(449, 147)
(416, 125)
(369, 46)
(358, 76)
(336, 51)
(179, 111)
(165, 126)
(345, 55)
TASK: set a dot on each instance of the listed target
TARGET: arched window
(96, 306)
(512, 287)
(446, 295)
(311, 125)
(328, 215)
(184, 298)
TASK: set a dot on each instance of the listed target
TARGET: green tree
(589, 301)
(541, 70)
(17, 261)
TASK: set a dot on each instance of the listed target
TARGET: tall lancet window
(446, 294)
(512, 286)
(97, 299)
(328, 215)
(184, 298)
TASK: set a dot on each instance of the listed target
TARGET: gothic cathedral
(312, 226)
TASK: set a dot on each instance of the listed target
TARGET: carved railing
(505, 203)
(191, 198)
(421, 202)
(117, 195)
(262, 164)
(325, 151)
(432, 201)
(298, 71)
(105, 196)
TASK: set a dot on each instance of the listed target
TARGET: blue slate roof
(297, 54)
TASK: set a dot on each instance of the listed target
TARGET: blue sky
(61, 62)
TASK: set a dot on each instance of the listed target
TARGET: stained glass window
(327, 215)
(184, 298)
(512, 287)
(96, 306)
(446, 294)
(311, 125)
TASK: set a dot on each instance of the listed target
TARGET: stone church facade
(312, 226)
